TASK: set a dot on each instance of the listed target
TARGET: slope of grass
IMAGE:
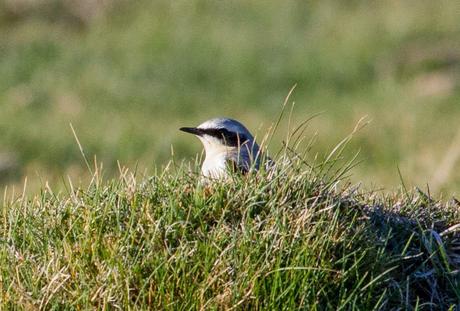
(297, 237)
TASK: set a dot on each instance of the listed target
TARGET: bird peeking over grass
(229, 147)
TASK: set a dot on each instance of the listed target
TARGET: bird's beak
(192, 130)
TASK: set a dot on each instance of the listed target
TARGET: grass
(300, 236)
(127, 76)
(306, 236)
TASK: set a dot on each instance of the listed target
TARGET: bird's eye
(227, 137)
(231, 138)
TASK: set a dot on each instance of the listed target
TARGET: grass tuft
(298, 236)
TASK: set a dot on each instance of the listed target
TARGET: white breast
(215, 166)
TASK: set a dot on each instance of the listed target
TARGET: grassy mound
(294, 239)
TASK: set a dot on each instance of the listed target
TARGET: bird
(229, 147)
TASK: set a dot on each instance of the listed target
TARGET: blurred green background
(127, 74)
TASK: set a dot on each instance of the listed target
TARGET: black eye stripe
(228, 137)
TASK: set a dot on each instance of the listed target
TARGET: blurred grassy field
(128, 75)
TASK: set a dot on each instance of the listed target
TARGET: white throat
(216, 157)
(219, 156)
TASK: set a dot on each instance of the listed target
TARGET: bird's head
(222, 134)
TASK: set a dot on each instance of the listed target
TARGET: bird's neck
(214, 164)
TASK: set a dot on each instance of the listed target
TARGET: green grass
(128, 76)
(297, 237)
